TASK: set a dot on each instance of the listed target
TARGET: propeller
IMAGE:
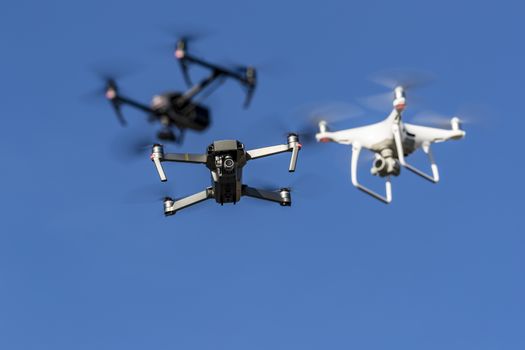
(186, 32)
(305, 185)
(180, 53)
(466, 114)
(183, 40)
(433, 118)
(304, 122)
(151, 193)
(133, 145)
(408, 79)
(111, 94)
(331, 113)
(109, 73)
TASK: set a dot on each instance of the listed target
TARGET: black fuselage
(226, 159)
(173, 109)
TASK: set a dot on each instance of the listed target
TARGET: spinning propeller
(305, 122)
(108, 74)
(407, 79)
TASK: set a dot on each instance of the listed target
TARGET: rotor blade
(378, 102)
(185, 32)
(406, 78)
(305, 185)
(433, 118)
(383, 102)
(334, 112)
(468, 114)
(178, 32)
(133, 145)
(249, 96)
(305, 120)
(475, 114)
(151, 193)
(113, 70)
(107, 74)
(93, 96)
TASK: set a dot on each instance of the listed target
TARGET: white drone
(391, 140)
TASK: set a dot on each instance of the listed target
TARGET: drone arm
(185, 158)
(220, 70)
(293, 146)
(356, 150)
(267, 195)
(134, 104)
(267, 151)
(426, 148)
(197, 88)
(171, 207)
(247, 79)
(158, 156)
(195, 60)
(118, 101)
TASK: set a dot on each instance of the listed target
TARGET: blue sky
(84, 264)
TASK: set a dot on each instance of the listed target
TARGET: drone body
(225, 160)
(391, 140)
(189, 115)
(177, 111)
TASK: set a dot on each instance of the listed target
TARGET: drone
(177, 111)
(225, 160)
(392, 141)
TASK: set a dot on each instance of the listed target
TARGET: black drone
(225, 159)
(177, 111)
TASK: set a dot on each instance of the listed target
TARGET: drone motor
(285, 196)
(399, 99)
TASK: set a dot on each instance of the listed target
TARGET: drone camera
(385, 166)
(228, 163)
(225, 164)
(378, 167)
(285, 197)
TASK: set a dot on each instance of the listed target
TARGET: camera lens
(228, 163)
